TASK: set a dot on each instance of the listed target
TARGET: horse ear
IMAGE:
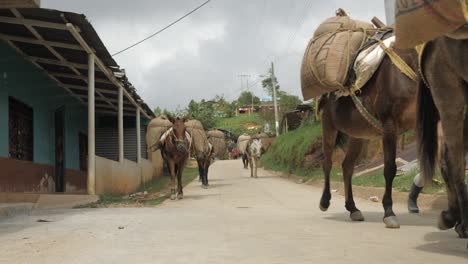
(185, 119)
(171, 119)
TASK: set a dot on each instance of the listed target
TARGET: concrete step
(56, 201)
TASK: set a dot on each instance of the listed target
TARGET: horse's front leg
(172, 171)
(352, 154)
(180, 169)
(389, 147)
(205, 170)
(251, 165)
(255, 165)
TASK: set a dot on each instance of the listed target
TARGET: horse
(175, 148)
(254, 151)
(389, 96)
(443, 95)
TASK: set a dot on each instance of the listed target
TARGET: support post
(120, 125)
(138, 135)
(273, 83)
(91, 129)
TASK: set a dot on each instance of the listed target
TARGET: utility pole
(242, 76)
(275, 104)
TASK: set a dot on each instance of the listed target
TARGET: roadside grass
(237, 125)
(157, 191)
(287, 153)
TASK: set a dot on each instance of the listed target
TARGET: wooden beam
(73, 30)
(78, 77)
(41, 42)
(59, 63)
(84, 88)
(32, 22)
(41, 68)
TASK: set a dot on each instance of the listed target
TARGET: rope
(368, 116)
(398, 61)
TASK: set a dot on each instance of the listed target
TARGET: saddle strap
(368, 116)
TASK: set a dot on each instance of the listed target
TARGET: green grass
(158, 185)
(288, 151)
(237, 125)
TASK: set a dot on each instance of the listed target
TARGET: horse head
(256, 147)
(180, 137)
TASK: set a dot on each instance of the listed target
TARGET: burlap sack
(199, 148)
(417, 22)
(242, 143)
(155, 129)
(217, 140)
(329, 53)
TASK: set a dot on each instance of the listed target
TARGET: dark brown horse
(445, 68)
(390, 96)
(175, 151)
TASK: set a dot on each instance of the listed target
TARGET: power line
(161, 30)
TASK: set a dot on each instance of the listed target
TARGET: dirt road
(237, 220)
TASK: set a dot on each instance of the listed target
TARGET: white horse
(254, 152)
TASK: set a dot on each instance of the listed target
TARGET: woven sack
(156, 128)
(417, 22)
(242, 143)
(199, 148)
(217, 140)
(330, 52)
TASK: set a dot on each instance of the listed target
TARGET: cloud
(202, 56)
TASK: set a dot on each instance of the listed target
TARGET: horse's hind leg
(352, 154)
(328, 146)
(200, 170)
(389, 147)
(450, 101)
(206, 168)
(448, 218)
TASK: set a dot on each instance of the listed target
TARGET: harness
(396, 60)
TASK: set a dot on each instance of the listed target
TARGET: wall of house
(121, 177)
(25, 82)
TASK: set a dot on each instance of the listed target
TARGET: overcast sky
(202, 56)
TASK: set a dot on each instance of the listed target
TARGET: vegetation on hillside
(237, 125)
(288, 151)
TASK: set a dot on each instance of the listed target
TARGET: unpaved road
(237, 220)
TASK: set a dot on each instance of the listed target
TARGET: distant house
(294, 119)
(70, 121)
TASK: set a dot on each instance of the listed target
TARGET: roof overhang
(59, 43)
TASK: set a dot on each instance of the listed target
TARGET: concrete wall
(157, 162)
(121, 178)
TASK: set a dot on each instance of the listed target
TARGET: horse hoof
(204, 186)
(323, 205)
(180, 196)
(446, 221)
(391, 222)
(356, 216)
(461, 231)
(412, 207)
(173, 196)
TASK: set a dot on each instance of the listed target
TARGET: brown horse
(445, 68)
(390, 97)
(175, 151)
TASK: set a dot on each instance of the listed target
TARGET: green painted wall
(22, 80)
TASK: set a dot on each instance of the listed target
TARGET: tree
(245, 99)
(158, 111)
(266, 84)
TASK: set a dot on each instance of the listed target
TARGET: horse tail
(426, 127)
